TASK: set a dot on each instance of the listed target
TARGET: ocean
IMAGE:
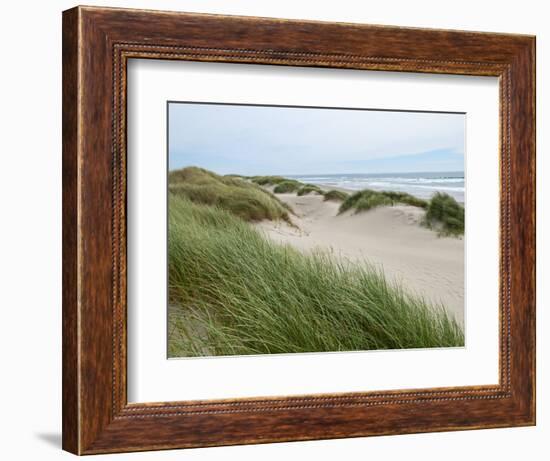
(422, 185)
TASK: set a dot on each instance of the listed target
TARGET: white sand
(388, 237)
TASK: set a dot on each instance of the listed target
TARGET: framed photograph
(282, 230)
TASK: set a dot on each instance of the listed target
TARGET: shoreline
(422, 185)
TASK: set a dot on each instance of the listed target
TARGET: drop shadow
(51, 438)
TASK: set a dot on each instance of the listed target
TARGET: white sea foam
(422, 185)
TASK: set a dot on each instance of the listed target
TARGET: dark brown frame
(97, 43)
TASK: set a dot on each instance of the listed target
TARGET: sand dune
(388, 237)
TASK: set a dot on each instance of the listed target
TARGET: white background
(30, 243)
(153, 378)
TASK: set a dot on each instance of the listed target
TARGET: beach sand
(390, 238)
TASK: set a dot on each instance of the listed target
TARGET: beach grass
(335, 195)
(267, 180)
(405, 198)
(231, 291)
(309, 189)
(239, 196)
(445, 215)
(288, 186)
(367, 199)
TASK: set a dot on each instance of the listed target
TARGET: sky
(275, 140)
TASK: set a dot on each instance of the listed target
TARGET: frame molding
(97, 43)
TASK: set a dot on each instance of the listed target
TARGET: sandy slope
(389, 237)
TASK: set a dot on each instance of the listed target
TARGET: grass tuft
(233, 292)
(309, 189)
(286, 187)
(367, 199)
(407, 199)
(335, 195)
(267, 180)
(445, 214)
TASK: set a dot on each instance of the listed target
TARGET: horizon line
(322, 174)
(382, 172)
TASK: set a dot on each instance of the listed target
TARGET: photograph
(296, 229)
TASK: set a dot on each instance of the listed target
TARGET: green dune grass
(231, 291)
(309, 189)
(367, 199)
(239, 196)
(285, 187)
(267, 180)
(407, 199)
(445, 214)
(335, 195)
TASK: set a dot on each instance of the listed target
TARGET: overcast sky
(253, 140)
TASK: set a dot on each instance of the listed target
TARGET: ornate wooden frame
(97, 43)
